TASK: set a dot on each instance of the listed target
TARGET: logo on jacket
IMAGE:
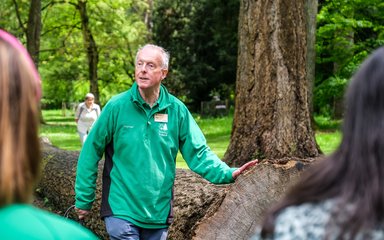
(163, 129)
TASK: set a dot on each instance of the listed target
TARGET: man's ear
(164, 72)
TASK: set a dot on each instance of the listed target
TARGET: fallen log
(246, 201)
(57, 186)
(202, 210)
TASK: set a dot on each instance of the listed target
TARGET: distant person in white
(86, 114)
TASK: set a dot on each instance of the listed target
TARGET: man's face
(148, 70)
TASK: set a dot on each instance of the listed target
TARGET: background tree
(203, 49)
(117, 28)
(91, 48)
(272, 112)
(23, 19)
(33, 30)
(347, 31)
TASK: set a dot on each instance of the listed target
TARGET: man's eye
(151, 66)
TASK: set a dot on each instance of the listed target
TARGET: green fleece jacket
(140, 145)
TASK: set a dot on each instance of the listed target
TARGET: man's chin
(142, 85)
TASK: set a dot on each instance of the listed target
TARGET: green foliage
(203, 49)
(9, 20)
(201, 36)
(62, 62)
(325, 123)
(347, 31)
(118, 30)
(328, 96)
(118, 27)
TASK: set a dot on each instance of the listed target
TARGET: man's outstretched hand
(238, 171)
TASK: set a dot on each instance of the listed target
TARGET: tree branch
(19, 17)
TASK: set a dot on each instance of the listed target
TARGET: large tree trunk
(202, 210)
(272, 112)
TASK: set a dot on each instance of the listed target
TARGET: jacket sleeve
(90, 155)
(199, 157)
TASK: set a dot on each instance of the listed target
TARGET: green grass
(328, 133)
(60, 128)
(328, 141)
(217, 131)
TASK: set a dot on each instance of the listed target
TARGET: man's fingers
(236, 173)
(81, 213)
(250, 164)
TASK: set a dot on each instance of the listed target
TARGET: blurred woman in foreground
(20, 92)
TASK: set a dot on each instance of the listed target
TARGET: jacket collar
(163, 101)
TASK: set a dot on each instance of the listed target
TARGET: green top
(24, 221)
(145, 145)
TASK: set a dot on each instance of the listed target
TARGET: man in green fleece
(141, 131)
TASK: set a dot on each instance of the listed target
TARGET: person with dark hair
(342, 195)
(20, 153)
(141, 131)
(86, 114)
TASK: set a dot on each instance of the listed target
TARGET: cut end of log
(246, 201)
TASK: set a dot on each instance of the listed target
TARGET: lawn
(60, 128)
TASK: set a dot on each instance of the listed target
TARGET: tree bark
(202, 210)
(33, 33)
(148, 17)
(57, 186)
(311, 14)
(244, 205)
(33, 30)
(92, 51)
(272, 112)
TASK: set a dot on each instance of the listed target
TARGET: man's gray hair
(164, 54)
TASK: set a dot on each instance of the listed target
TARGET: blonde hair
(19, 143)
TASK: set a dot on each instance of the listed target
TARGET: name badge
(160, 117)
